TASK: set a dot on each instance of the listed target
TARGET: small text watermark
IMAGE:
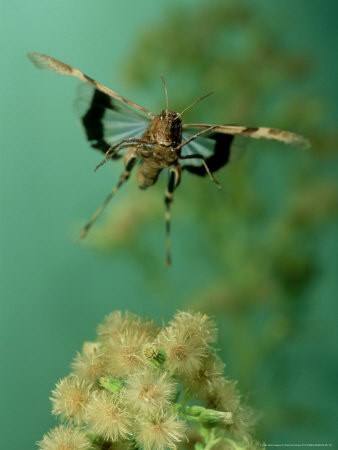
(297, 445)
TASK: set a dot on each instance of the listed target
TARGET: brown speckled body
(164, 133)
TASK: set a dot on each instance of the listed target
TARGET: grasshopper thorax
(167, 128)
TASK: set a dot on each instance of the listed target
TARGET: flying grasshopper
(118, 126)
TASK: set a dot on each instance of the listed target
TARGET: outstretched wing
(223, 144)
(287, 137)
(45, 62)
(106, 116)
(107, 121)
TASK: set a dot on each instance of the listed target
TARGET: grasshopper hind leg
(129, 162)
(173, 182)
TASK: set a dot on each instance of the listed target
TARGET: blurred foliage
(264, 240)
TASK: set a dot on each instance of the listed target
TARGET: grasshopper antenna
(165, 90)
(194, 103)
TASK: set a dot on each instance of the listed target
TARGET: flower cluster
(143, 387)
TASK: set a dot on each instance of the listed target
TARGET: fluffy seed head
(124, 354)
(160, 432)
(90, 363)
(149, 393)
(123, 338)
(65, 437)
(185, 351)
(69, 398)
(208, 378)
(117, 323)
(224, 396)
(107, 416)
(196, 324)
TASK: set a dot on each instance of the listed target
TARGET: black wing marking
(107, 121)
(216, 148)
(92, 120)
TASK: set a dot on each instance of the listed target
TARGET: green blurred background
(260, 256)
